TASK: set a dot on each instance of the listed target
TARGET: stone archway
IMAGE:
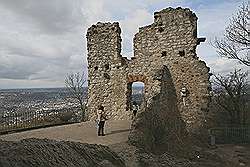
(130, 80)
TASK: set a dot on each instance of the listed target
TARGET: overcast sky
(43, 40)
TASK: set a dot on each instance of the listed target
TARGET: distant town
(16, 104)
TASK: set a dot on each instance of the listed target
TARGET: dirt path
(116, 132)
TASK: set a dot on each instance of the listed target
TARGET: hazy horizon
(138, 85)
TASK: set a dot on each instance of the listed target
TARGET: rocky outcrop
(51, 153)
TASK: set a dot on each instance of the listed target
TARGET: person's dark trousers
(134, 112)
(101, 128)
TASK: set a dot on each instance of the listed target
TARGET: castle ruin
(176, 81)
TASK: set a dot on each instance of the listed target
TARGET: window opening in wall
(107, 66)
(163, 54)
(182, 53)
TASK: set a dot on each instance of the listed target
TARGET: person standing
(135, 108)
(101, 117)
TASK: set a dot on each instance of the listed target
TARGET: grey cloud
(28, 67)
(16, 67)
(53, 17)
(13, 74)
(41, 41)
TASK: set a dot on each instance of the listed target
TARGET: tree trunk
(83, 110)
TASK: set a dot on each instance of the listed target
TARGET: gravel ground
(85, 132)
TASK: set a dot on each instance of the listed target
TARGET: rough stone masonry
(176, 82)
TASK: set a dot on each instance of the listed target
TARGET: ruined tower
(165, 60)
(106, 70)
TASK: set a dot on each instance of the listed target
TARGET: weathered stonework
(164, 60)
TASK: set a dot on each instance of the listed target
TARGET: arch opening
(135, 95)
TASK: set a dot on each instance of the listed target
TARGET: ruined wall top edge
(170, 15)
(173, 11)
(101, 27)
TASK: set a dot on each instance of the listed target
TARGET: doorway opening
(136, 95)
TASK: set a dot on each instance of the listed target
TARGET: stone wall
(164, 60)
(106, 71)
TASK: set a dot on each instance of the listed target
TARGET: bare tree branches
(75, 83)
(236, 41)
(230, 94)
(238, 29)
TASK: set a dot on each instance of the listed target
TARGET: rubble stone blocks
(164, 60)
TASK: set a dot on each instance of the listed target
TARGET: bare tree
(230, 93)
(75, 83)
(236, 41)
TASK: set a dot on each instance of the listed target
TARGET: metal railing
(19, 121)
(227, 135)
